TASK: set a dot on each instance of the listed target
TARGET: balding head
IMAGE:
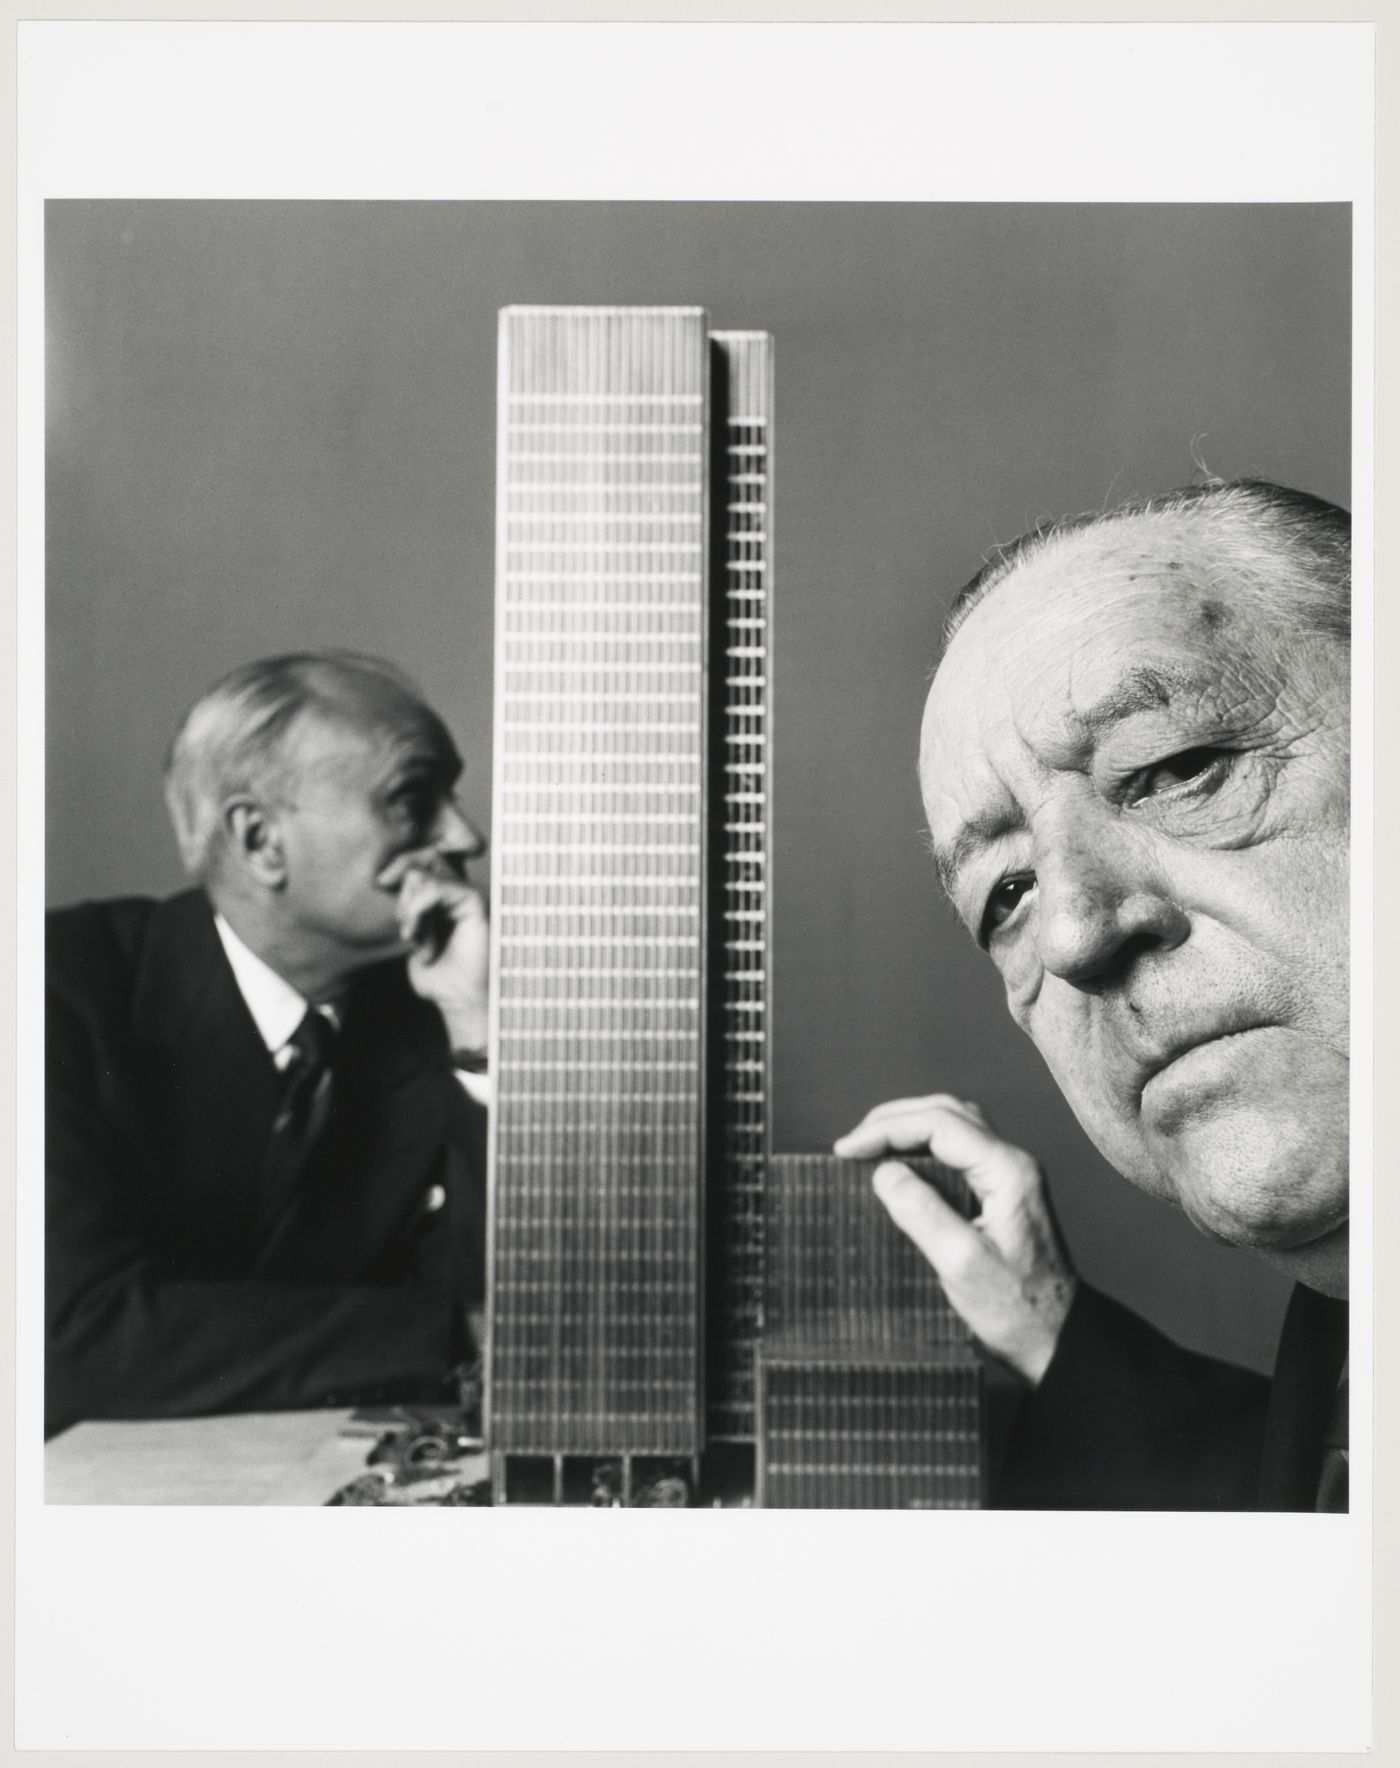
(1242, 537)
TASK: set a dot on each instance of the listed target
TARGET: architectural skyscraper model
(631, 1184)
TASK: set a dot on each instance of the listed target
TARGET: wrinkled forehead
(1094, 616)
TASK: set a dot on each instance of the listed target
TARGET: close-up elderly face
(1135, 768)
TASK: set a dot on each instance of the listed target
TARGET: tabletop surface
(253, 1458)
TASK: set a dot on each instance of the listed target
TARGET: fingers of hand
(418, 900)
(1015, 1314)
(415, 863)
(899, 1123)
(955, 1133)
(431, 907)
(951, 1245)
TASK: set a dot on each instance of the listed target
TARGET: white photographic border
(258, 1629)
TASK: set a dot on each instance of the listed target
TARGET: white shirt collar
(278, 1009)
(276, 1006)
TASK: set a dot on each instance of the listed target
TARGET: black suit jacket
(163, 1298)
(1124, 1419)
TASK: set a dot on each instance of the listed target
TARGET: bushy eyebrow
(1143, 687)
(972, 836)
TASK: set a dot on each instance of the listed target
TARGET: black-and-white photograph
(698, 855)
(526, 615)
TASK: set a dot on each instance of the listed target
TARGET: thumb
(945, 1239)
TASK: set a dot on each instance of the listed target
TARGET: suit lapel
(218, 1089)
(217, 1083)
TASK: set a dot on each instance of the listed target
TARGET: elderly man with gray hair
(1135, 767)
(265, 1159)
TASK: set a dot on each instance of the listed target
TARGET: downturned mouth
(1186, 1046)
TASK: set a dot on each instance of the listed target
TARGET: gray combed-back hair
(1289, 545)
(234, 738)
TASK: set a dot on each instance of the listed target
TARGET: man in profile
(265, 1165)
(1135, 766)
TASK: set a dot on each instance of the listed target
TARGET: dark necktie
(302, 1110)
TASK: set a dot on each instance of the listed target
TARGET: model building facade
(630, 1177)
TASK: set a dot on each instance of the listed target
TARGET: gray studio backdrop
(272, 425)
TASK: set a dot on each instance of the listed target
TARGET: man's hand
(443, 921)
(1007, 1272)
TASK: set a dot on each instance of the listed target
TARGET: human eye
(1187, 773)
(416, 803)
(1002, 904)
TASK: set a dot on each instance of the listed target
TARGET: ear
(253, 840)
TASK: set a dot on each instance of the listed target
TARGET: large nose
(1103, 902)
(454, 837)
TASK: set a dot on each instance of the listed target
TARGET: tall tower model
(630, 1194)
